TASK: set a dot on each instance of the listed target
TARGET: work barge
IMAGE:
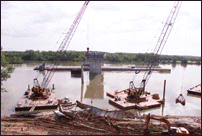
(104, 68)
(196, 90)
(144, 102)
(30, 103)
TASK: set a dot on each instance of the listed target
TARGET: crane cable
(182, 80)
(65, 30)
(162, 39)
(180, 98)
(65, 43)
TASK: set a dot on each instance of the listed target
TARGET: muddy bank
(50, 125)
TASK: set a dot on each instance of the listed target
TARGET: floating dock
(26, 104)
(195, 90)
(143, 103)
(86, 68)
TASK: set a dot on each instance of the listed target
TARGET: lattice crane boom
(64, 44)
(162, 40)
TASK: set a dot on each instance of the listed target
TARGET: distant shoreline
(18, 57)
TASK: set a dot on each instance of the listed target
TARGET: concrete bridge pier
(95, 59)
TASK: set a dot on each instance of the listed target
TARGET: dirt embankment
(49, 125)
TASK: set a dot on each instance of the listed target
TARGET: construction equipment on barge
(135, 93)
(37, 98)
(41, 97)
(64, 44)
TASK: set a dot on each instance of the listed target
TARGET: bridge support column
(95, 59)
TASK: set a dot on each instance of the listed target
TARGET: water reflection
(41, 72)
(163, 105)
(164, 71)
(173, 65)
(76, 75)
(17, 65)
(82, 87)
(141, 112)
(194, 96)
(95, 89)
(184, 65)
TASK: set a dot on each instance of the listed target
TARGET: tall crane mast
(64, 44)
(162, 40)
(135, 92)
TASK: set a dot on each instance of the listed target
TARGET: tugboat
(41, 67)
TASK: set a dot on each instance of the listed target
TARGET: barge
(145, 101)
(196, 90)
(30, 102)
(86, 68)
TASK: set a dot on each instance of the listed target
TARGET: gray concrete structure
(95, 59)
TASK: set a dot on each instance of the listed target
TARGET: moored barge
(30, 101)
(145, 101)
(196, 90)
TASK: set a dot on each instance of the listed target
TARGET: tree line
(17, 57)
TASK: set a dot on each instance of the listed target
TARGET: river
(93, 91)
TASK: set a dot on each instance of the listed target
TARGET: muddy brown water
(93, 91)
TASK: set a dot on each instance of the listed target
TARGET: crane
(136, 92)
(64, 44)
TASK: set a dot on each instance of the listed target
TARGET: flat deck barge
(26, 104)
(195, 90)
(144, 102)
(86, 68)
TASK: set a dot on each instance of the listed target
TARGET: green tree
(6, 70)
(15, 60)
(174, 60)
(184, 61)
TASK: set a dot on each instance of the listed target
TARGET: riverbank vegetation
(6, 70)
(18, 57)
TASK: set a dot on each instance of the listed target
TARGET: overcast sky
(110, 26)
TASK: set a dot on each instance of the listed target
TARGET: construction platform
(144, 102)
(86, 68)
(26, 104)
(195, 90)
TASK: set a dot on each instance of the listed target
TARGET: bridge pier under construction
(95, 60)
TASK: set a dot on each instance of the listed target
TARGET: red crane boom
(162, 40)
(64, 44)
